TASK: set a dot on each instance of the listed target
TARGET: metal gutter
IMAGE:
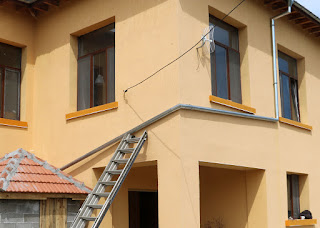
(161, 116)
(274, 57)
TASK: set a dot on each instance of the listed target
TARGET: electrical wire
(183, 54)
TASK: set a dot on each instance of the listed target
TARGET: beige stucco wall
(149, 34)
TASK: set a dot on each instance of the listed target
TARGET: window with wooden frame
(293, 196)
(289, 87)
(10, 71)
(96, 68)
(225, 62)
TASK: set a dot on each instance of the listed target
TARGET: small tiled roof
(21, 171)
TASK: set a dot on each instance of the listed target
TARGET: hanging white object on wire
(208, 39)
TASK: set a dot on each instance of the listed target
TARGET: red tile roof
(21, 171)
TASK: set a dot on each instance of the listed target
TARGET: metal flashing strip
(18, 155)
(161, 116)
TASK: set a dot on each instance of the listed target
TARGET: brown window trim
(91, 71)
(3, 67)
(91, 111)
(299, 222)
(295, 123)
(231, 104)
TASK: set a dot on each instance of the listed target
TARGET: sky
(311, 5)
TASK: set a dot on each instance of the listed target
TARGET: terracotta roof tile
(21, 171)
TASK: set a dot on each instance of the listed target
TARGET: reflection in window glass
(289, 87)
(96, 69)
(293, 196)
(10, 64)
(221, 69)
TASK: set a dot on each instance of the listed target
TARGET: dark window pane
(295, 196)
(11, 94)
(99, 79)
(221, 35)
(110, 75)
(235, 81)
(84, 83)
(295, 100)
(213, 74)
(289, 194)
(224, 33)
(221, 72)
(285, 95)
(1, 80)
(288, 65)
(96, 40)
(10, 56)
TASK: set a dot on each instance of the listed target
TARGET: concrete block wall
(73, 207)
(19, 214)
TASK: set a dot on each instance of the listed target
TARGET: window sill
(91, 111)
(295, 123)
(13, 123)
(301, 222)
(232, 104)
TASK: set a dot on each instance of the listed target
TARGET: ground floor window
(293, 196)
(143, 209)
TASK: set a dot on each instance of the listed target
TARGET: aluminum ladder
(105, 181)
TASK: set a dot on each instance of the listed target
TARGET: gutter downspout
(274, 56)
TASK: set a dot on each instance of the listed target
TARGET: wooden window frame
(291, 194)
(227, 48)
(3, 71)
(105, 50)
(291, 78)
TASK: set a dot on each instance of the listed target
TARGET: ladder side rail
(99, 187)
(78, 222)
(120, 181)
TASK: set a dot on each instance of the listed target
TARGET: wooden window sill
(13, 123)
(301, 222)
(295, 123)
(231, 104)
(91, 111)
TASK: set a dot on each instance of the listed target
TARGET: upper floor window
(225, 62)
(289, 87)
(96, 68)
(10, 70)
(293, 196)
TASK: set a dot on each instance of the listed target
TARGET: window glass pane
(1, 80)
(99, 79)
(285, 97)
(221, 72)
(289, 196)
(224, 33)
(96, 40)
(110, 75)
(294, 100)
(288, 65)
(10, 56)
(295, 196)
(11, 94)
(235, 81)
(213, 74)
(84, 83)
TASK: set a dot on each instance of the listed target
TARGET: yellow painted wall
(149, 34)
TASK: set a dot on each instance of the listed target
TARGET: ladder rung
(88, 218)
(108, 182)
(95, 206)
(121, 161)
(119, 171)
(102, 194)
(126, 151)
(133, 140)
